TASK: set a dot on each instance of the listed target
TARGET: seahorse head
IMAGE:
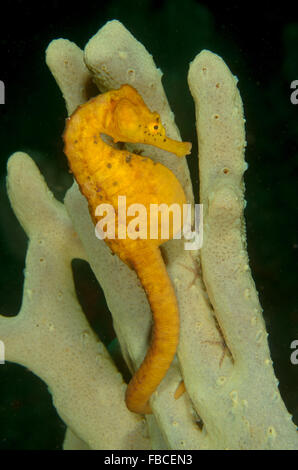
(134, 122)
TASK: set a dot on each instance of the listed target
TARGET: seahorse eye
(156, 128)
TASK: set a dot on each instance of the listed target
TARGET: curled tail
(153, 275)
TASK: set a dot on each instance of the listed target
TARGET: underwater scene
(148, 227)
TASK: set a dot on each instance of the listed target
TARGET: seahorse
(103, 173)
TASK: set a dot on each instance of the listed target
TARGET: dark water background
(260, 46)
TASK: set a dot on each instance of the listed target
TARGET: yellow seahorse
(103, 173)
